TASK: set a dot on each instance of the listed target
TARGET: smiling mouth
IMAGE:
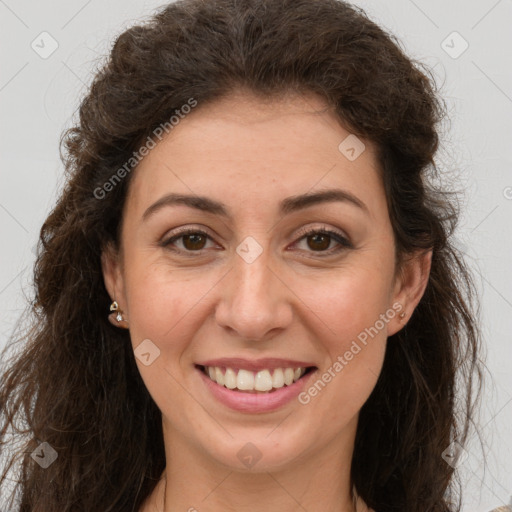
(248, 381)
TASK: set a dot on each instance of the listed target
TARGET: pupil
(194, 239)
(325, 238)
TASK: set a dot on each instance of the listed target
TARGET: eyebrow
(287, 206)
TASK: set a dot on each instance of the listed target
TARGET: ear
(410, 284)
(114, 282)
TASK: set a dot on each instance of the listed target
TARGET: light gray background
(38, 97)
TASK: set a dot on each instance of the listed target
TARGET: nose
(255, 302)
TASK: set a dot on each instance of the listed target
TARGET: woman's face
(246, 283)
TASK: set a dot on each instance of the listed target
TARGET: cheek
(160, 298)
(349, 303)
(163, 306)
(354, 311)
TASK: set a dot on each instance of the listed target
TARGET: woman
(247, 297)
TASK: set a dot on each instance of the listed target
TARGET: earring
(115, 307)
(402, 315)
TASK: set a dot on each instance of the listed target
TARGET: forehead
(251, 150)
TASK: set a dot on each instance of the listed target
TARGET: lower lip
(255, 402)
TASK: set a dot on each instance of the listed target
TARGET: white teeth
(230, 378)
(263, 381)
(278, 378)
(288, 376)
(246, 380)
(218, 376)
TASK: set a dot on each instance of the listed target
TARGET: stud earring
(115, 307)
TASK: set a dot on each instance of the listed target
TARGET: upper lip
(255, 364)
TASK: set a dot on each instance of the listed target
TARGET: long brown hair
(75, 384)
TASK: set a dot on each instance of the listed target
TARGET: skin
(290, 302)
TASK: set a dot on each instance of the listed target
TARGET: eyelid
(343, 241)
(189, 228)
(322, 229)
(182, 231)
(341, 238)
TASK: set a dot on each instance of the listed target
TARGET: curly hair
(76, 384)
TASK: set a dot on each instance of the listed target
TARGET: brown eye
(194, 242)
(319, 241)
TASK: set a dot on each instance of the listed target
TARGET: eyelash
(343, 242)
